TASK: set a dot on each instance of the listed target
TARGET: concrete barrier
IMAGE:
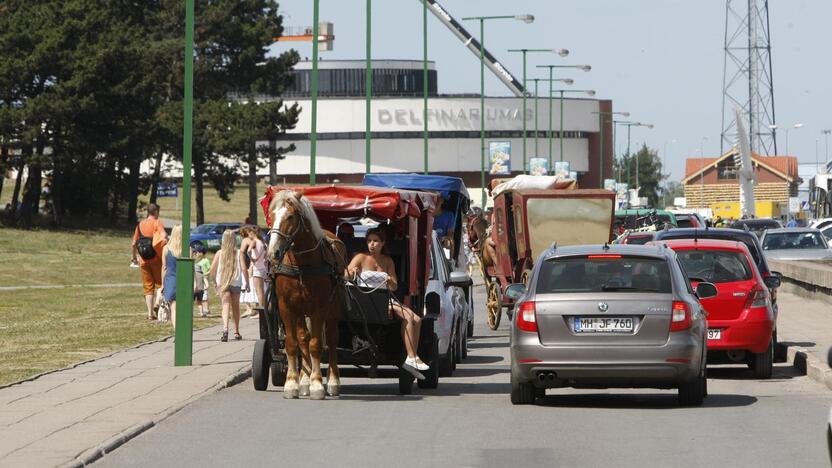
(812, 280)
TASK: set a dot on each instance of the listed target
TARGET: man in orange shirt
(153, 229)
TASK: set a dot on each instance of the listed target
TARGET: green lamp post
(482, 19)
(585, 68)
(601, 120)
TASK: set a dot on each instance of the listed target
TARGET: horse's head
(477, 225)
(293, 223)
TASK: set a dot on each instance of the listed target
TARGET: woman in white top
(376, 270)
(229, 274)
(254, 247)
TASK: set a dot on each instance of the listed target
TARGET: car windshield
(715, 266)
(603, 273)
(203, 229)
(793, 240)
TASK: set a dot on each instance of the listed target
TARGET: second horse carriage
(527, 219)
(366, 335)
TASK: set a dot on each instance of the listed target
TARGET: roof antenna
(606, 245)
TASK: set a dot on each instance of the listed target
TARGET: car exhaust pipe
(550, 376)
(541, 376)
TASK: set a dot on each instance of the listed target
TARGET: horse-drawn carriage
(363, 333)
(526, 221)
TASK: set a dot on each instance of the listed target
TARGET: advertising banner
(538, 166)
(499, 157)
(167, 190)
(609, 184)
(562, 169)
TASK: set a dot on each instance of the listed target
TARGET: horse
(481, 243)
(309, 263)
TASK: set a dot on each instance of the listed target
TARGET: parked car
(210, 235)
(757, 225)
(821, 223)
(741, 318)
(608, 316)
(637, 238)
(452, 325)
(688, 220)
(827, 233)
(795, 244)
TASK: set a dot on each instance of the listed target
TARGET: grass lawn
(43, 329)
(216, 209)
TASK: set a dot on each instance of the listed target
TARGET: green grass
(216, 209)
(44, 329)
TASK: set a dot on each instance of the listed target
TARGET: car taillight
(757, 298)
(527, 317)
(680, 318)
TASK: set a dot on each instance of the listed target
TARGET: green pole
(560, 132)
(536, 149)
(313, 136)
(482, 109)
(524, 112)
(368, 86)
(183, 344)
(425, 76)
(550, 120)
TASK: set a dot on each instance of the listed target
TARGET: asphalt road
(469, 421)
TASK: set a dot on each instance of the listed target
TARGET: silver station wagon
(608, 316)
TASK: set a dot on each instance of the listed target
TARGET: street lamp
(702, 170)
(589, 92)
(826, 137)
(368, 88)
(562, 53)
(774, 127)
(566, 81)
(482, 19)
(629, 126)
(584, 68)
(313, 135)
(601, 122)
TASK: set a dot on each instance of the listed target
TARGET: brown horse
(481, 243)
(310, 263)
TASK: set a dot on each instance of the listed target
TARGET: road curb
(808, 364)
(91, 455)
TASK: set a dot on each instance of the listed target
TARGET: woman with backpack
(148, 241)
(229, 273)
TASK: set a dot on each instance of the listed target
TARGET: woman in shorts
(377, 270)
(229, 274)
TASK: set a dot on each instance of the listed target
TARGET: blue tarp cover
(435, 183)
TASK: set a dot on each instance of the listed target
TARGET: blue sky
(661, 60)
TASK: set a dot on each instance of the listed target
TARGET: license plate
(714, 333)
(213, 242)
(603, 325)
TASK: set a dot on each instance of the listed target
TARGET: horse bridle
(289, 241)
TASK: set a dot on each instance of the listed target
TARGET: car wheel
(464, 346)
(762, 363)
(470, 328)
(693, 393)
(405, 382)
(446, 362)
(780, 352)
(460, 339)
(522, 393)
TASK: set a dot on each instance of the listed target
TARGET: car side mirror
(705, 290)
(777, 274)
(515, 291)
(459, 279)
(772, 282)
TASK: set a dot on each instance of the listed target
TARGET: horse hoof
(290, 390)
(333, 389)
(317, 392)
(304, 386)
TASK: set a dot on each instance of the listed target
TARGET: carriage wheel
(494, 305)
(405, 382)
(260, 362)
(278, 374)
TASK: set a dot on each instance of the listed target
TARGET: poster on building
(499, 156)
(538, 166)
(794, 205)
(562, 169)
(609, 184)
(573, 175)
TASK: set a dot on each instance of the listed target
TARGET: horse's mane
(288, 198)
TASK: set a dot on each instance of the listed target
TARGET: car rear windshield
(639, 240)
(715, 266)
(684, 223)
(793, 240)
(704, 234)
(604, 273)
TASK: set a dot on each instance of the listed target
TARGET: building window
(726, 170)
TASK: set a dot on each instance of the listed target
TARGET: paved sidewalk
(805, 327)
(73, 416)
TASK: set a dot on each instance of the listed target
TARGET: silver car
(608, 316)
(795, 244)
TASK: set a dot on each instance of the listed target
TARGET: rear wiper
(627, 288)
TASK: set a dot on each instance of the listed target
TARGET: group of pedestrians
(235, 270)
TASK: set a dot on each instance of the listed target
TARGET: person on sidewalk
(229, 273)
(254, 248)
(150, 231)
(170, 253)
(202, 268)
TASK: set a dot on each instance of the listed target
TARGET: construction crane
(326, 35)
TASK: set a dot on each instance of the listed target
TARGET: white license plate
(213, 242)
(603, 325)
(714, 333)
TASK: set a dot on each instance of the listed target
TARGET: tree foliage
(649, 166)
(91, 89)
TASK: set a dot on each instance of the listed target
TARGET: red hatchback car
(741, 319)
